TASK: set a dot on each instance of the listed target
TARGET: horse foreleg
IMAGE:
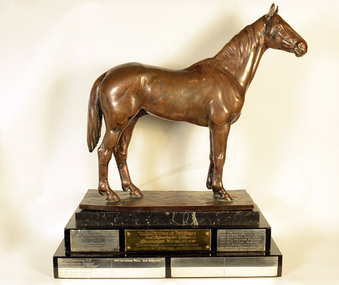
(104, 155)
(120, 153)
(219, 144)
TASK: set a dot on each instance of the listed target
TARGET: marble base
(167, 234)
(167, 209)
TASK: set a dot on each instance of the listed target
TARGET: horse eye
(278, 28)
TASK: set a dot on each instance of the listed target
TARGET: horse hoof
(113, 197)
(217, 194)
(222, 195)
(136, 194)
(225, 198)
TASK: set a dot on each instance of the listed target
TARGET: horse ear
(271, 12)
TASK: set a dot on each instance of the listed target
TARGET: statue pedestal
(167, 234)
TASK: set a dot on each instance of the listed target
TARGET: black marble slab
(166, 219)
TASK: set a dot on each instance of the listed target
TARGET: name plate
(241, 240)
(111, 267)
(94, 240)
(246, 266)
(168, 240)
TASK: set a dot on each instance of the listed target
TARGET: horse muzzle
(300, 49)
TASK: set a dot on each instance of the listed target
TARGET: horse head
(280, 35)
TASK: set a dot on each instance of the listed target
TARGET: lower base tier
(254, 264)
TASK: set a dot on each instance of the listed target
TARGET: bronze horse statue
(209, 93)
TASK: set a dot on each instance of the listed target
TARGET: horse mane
(240, 47)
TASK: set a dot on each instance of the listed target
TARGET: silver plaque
(241, 240)
(111, 267)
(94, 240)
(253, 266)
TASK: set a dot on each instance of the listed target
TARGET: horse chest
(226, 105)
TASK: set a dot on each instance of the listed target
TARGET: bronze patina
(209, 93)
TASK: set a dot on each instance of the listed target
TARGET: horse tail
(94, 117)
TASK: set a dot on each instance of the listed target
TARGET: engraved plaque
(225, 266)
(168, 240)
(111, 268)
(241, 240)
(94, 240)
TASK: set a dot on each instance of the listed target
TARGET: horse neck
(241, 56)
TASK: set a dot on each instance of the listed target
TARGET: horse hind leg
(120, 153)
(209, 181)
(104, 155)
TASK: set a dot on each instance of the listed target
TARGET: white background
(283, 150)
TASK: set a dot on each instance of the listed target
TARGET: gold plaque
(168, 240)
